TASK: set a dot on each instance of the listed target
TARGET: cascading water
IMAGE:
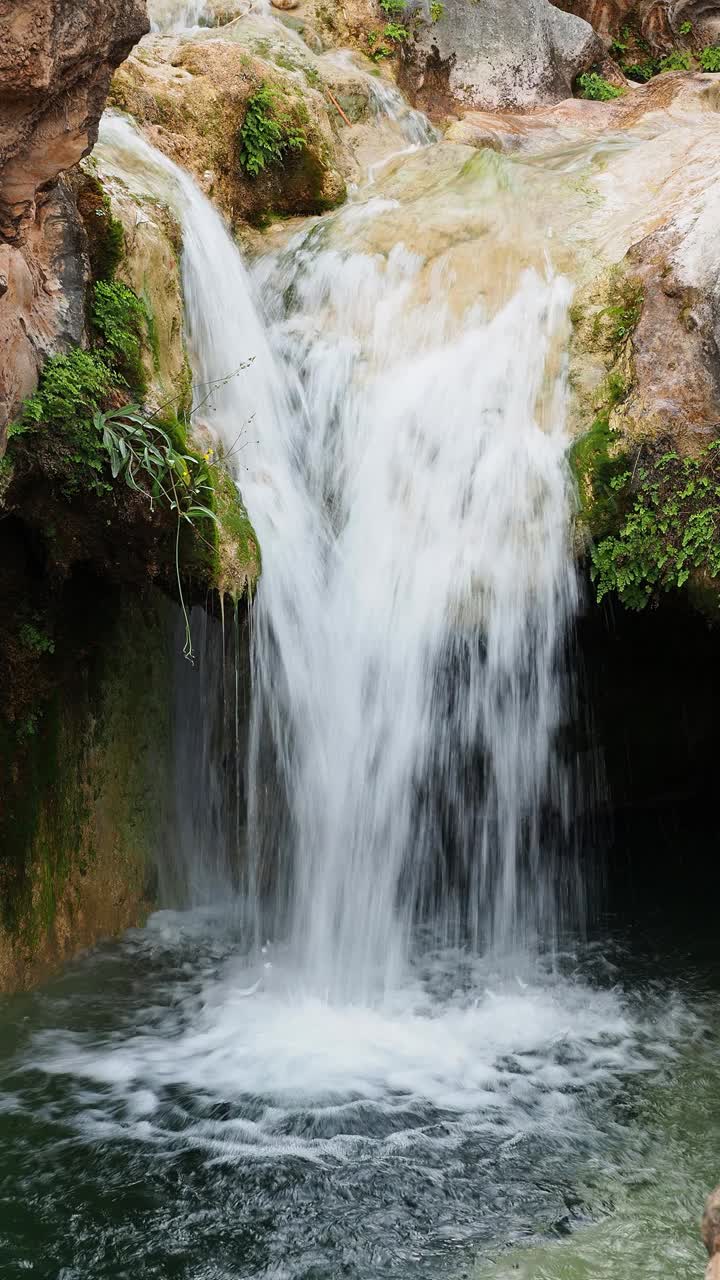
(355, 1062)
(410, 490)
(179, 15)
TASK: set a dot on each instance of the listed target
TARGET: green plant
(120, 318)
(31, 637)
(392, 8)
(686, 28)
(437, 9)
(142, 453)
(678, 60)
(710, 58)
(621, 43)
(264, 137)
(672, 527)
(595, 87)
(394, 31)
(70, 388)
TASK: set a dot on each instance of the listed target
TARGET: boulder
(494, 56)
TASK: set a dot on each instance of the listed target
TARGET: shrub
(678, 60)
(710, 58)
(265, 138)
(671, 528)
(595, 87)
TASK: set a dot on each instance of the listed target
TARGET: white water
(410, 493)
(173, 16)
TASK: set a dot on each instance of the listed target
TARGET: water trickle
(410, 492)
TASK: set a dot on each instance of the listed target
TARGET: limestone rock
(56, 61)
(191, 96)
(495, 56)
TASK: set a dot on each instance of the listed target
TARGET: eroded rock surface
(659, 22)
(56, 61)
(496, 56)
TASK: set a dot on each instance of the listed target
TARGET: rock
(657, 21)
(191, 95)
(56, 60)
(42, 307)
(494, 56)
(711, 1234)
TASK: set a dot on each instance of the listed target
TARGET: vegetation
(266, 136)
(710, 58)
(595, 87)
(678, 60)
(671, 527)
(121, 321)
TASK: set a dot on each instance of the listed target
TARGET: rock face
(181, 89)
(495, 56)
(658, 21)
(56, 61)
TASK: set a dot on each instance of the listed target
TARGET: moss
(106, 236)
(121, 323)
(81, 800)
(596, 460)
(236, 560)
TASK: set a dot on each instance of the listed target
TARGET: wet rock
(495, 56)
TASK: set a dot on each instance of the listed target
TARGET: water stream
(394, 1049)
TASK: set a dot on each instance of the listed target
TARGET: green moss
(236, 560)
(596, 460)
(121, 321)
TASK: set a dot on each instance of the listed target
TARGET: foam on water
(460, 1050)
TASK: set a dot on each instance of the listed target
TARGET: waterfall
(174, 16)
(404, 466)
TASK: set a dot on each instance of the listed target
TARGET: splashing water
(409, 489)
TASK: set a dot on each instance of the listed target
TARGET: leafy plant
(678, 60)
(142, 453)
(671, 528)
(686, 28)
(437, 9)
(392, 8)
(31, 637)
(70, 387)
(394, 31)
(710, 58)
(596, 88)
(265, 137)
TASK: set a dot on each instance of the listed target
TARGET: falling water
(410, 492)
(179, 15)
